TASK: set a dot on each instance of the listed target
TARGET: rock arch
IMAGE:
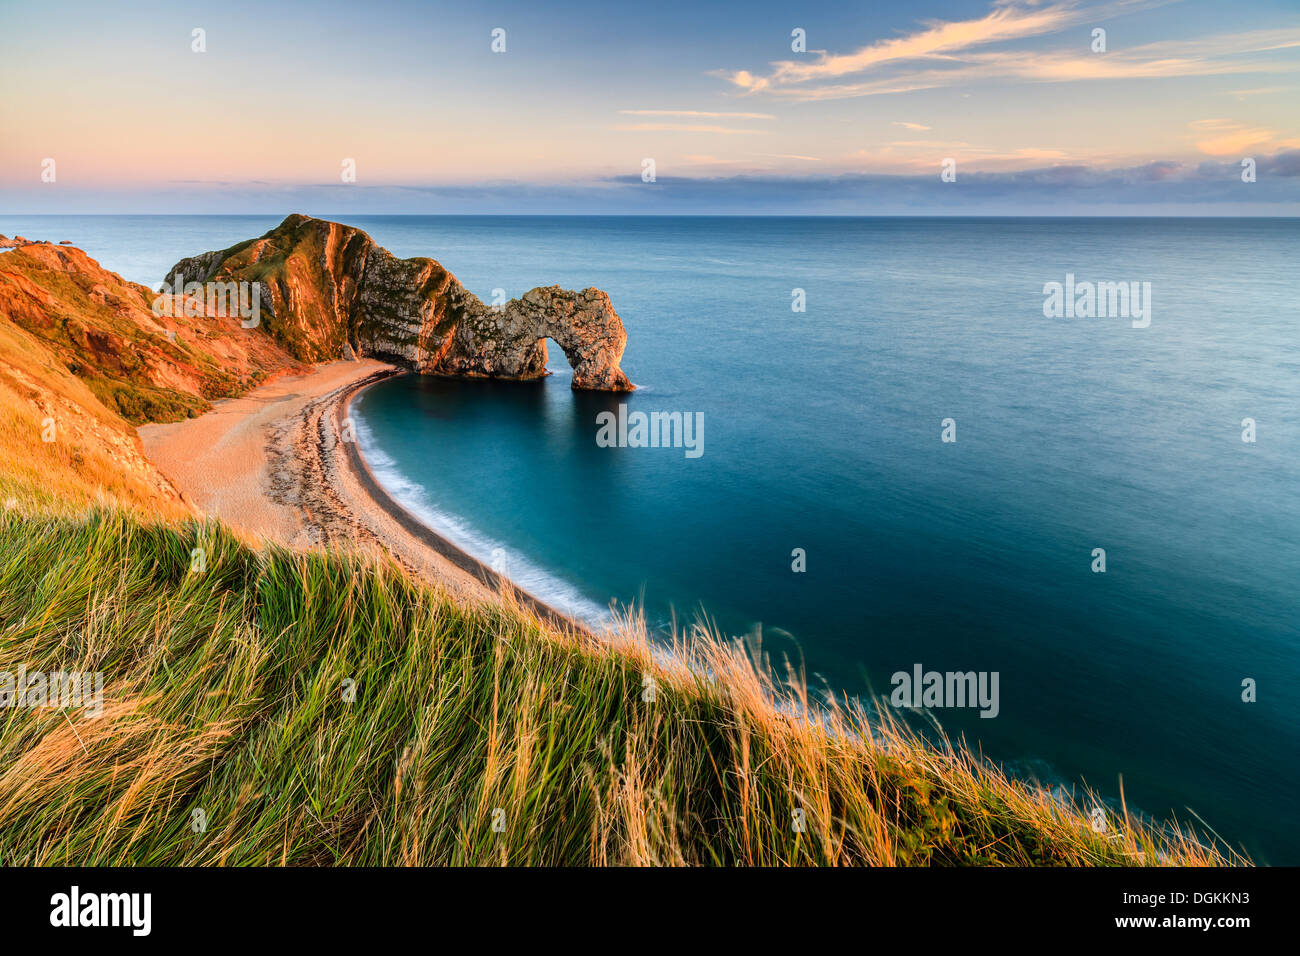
(326, 286)
(510, 341)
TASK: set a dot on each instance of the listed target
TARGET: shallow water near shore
(822, 431)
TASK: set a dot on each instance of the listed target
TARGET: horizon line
(605, 215)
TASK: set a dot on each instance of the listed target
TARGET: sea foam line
(526, 575)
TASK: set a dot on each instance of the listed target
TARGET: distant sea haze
(934, 467)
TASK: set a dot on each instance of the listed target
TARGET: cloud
(698, 113)
(806, 159)
(946, 54)
(1161, 187)
(929, 144)
(682, 128)
(712, 161)
(1004, 22)
(1258, 91)
(1284, 165)
(1232, 138)
(1033, 153)
(760, 165)
(917, 126)
(1164, 187)
(918, 155)
(1212, 125)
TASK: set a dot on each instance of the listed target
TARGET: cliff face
(84, 355)
(144, 365)
(325, 287)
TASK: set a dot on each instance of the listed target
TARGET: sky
(761, 107)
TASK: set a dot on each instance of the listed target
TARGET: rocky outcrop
(325, 288)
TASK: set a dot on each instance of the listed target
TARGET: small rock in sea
(65, 242)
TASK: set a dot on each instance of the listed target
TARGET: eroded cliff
(325, 288)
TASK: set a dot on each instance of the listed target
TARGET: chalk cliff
(327, 290)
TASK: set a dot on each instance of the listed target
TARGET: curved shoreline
(412, 525)
(265, 463)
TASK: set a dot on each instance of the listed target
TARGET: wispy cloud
(944, 54)
(1199, 188)
(683, 128)
(910, 125)
(938, 39)
(697, 160)
(928, 144)
(806, 159)
(1259, 91)
(914, 155)
(1162, 187)
(698, 114)
(1230, 138)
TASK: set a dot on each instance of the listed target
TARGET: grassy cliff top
(315, 708)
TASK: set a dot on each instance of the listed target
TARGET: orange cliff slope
(84, 357)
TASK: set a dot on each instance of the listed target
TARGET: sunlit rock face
(323, 286)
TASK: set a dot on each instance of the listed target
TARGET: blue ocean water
(822, 432)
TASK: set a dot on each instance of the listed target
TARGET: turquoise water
(822, 431)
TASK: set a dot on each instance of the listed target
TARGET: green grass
(139, 403)
(224, 692)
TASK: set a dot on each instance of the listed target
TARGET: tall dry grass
(225, 692)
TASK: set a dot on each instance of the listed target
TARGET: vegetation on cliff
(281, 708)
(84, 357)
(104, 330)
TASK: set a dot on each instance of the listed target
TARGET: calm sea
(822, 431)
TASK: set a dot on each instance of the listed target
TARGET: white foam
(526, 575)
